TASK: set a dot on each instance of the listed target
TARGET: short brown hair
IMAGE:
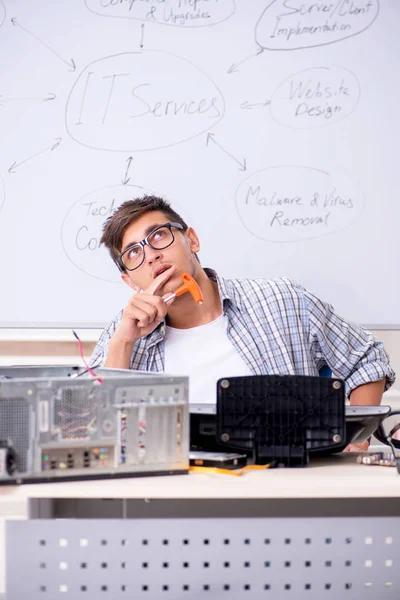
(114, 227)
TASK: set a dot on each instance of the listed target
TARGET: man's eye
(133, 252)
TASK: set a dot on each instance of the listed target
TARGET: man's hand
(141, 316)
(362, 447)
(144, 311)
(368, 394)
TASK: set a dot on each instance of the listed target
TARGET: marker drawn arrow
(210, 138)
(247, 105)
(70, 63)
(50, 96)
(51, 148)
(234, 68)
(127, 179)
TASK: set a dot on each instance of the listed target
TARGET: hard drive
(221, 460)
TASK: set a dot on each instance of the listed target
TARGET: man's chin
(174, 281)
(166, 289)
(170, 286)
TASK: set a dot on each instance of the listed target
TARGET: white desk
(338, 490)
(338, 476)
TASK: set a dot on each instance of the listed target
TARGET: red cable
(84, 360)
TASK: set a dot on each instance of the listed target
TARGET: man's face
(179, 254)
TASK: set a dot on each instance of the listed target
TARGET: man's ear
(193, 240)
(126, 279)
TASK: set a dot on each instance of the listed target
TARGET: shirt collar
(226, 288)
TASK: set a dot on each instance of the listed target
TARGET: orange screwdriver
(188, 285)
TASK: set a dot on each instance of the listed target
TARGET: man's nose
(152, 254)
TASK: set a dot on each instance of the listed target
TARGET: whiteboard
(273, 127)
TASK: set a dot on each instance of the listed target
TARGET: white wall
(291, 152)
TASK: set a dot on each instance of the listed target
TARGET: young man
(244, 326)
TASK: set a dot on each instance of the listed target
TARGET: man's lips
(160, 269)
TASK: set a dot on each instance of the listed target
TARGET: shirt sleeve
(351, 351)
(100, 352)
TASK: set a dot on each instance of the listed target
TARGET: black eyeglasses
(158, 239)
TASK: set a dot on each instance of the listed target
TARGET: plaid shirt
(278, 327)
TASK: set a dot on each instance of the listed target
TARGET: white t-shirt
(205, 354)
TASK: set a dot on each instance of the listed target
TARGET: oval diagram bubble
(82, 229)
(178, 13)
(294, 25)
(315, 97)
(141, 101)
(289, 203)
